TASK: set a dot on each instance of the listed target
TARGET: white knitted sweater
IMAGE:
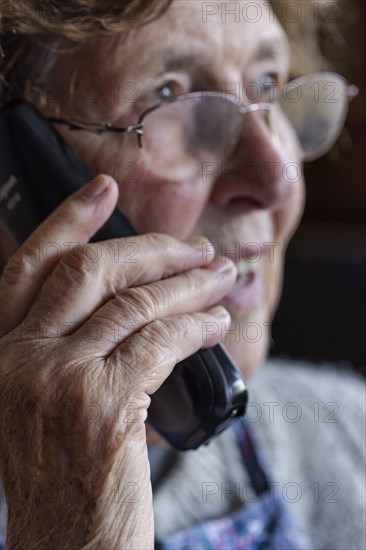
(310, 423)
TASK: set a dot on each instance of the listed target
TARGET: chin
(250, 357)
(248, 340)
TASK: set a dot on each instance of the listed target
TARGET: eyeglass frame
(99, 128)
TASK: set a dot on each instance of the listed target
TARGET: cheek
(151, 203)
(250, 349)
(159, 206)
(248, 341)
(285, 222)
(287, 218)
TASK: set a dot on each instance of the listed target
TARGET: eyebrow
(271, 50)
(268, 50)
(180, 62)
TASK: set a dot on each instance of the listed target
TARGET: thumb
(74, 222)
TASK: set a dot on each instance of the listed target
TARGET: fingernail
(97, 187)
(202, 244)
(220, 313)
(198, 240)
(222, 265)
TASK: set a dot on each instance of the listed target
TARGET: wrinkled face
(249, 205)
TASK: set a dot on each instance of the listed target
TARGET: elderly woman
(77, 466)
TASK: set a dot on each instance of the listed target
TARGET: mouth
(246, 270)
(248, 291)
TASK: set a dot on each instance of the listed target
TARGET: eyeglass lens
(181, 135)
(316, 110)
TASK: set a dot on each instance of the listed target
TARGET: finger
(132, 309)
(89, 276)
(144, 361)
(76, 220)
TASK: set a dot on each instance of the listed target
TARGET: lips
(246, 269)
(248, 292)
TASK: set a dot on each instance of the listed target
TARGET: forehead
(206, 42)
(198, 32)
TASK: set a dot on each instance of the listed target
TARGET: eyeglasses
(181, 134)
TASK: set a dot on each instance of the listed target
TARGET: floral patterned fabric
(265, 524)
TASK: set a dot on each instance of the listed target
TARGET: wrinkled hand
(89, 332)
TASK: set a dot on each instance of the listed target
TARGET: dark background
(322, 313)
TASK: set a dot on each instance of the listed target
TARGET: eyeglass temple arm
(97, 128)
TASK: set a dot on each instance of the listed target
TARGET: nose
(261, 172)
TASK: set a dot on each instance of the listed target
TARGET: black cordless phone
(206, 392)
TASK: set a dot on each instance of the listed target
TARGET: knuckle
(141, 301)
(159, 296)
(19, 265)
(161, 240)
(168, 333)
(79, 267)
(159, 339)
(194, 280)
(165, 331)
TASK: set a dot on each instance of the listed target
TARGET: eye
(268, 84)
(166, 91)
(263, 88)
